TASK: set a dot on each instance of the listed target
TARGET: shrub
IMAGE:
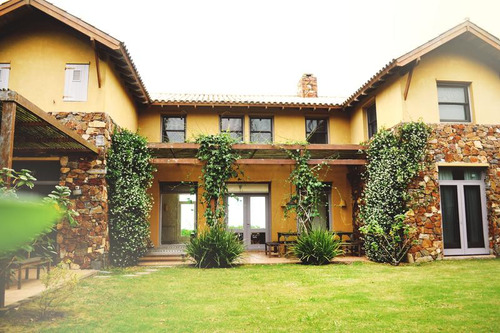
(215, 247)
(130, 174)
(58, 278)
(317, 247)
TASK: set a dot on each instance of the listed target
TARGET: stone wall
(86, 244)
(464, 143)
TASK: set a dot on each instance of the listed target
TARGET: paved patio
(32, 287)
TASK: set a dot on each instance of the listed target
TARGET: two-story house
(87, 80)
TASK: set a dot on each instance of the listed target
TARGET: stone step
(162, 258)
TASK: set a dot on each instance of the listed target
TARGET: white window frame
(76, 90)
(4, 75)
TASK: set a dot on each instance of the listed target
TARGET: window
(261, 130)
(174, 129)
(371, 119)
(453, 102)
(316, 130)
(76, 83)
(233, 126)
(4, 76)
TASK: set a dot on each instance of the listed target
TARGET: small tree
(308, 190)
(129, 176)
(216, 247)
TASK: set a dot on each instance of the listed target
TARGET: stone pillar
(85, 244)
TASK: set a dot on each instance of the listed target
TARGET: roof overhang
(406, 62)
(263, 154)
(105, 43)
(38, 134)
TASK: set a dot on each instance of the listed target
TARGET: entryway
(248, 214)
(463, 206)
(178, 213)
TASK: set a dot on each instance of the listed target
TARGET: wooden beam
(258, 146)
(259, 161)
(97, 65)
(7, 134)
(408, 82)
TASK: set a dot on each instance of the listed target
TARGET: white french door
(247, 216)
(464, 218)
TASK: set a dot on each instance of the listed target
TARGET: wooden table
(286, 242)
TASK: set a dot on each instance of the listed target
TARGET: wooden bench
(26, 264)
(350, 245)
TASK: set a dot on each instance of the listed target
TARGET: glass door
(247, 217)
(463, 206)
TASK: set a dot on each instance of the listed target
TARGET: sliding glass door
(463, 207)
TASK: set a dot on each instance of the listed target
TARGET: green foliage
(11, 181)
(317, 247)
(60, 197)
(308, 189)
(219, 166)
(394, 159)
(129, 175)
(215, 247)
(21, 222)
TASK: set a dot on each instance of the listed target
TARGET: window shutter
(4, 76)
(76, 83)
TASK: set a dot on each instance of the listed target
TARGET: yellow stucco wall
(280, 188)
(287, 126)
(38, 53)
(449, 63)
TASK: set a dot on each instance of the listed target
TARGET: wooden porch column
(7, 134)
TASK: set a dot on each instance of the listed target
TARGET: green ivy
(218, 157)
(308, 189)
(394, 158)
(129, 176)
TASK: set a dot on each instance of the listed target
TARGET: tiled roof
(243, 100)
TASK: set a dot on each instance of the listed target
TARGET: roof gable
(465, 30)
(118, 53)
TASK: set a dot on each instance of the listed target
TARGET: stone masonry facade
(86, 244)
(449, 143)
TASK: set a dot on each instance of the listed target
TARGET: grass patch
(446, 296)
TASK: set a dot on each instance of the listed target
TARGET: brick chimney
(308, 86)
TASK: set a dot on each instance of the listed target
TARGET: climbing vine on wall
(308, 189)
(394, 158)
(219, 166)
(129, 176)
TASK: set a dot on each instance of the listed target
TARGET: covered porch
(258, 200)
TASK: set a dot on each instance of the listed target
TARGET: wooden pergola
(263, 154)
(29, 132)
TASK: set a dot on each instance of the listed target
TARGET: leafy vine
(394, 158)
(219, 166)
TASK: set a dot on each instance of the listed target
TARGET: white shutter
(76, 83)
(4, 76)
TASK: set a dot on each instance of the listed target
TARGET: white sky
(263, 47)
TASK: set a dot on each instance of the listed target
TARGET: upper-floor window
(371, 120)
(261, 130)
(316, 130)
(174, 129)
(453, 99)
(76, 82)
(233, 126)
(4, 76)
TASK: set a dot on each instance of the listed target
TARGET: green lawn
(449, 296)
